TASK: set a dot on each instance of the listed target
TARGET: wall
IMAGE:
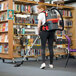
(72, 4)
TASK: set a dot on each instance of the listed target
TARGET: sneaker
(51, 66)
(43, 65)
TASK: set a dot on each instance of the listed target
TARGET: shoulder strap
(45, 15)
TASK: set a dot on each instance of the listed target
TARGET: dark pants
(47, 35)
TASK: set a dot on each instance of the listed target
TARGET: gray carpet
(31, 68)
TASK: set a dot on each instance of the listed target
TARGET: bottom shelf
(17, 56)
(5, 56)
(73, 53)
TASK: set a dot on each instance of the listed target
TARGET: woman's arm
(39, 24)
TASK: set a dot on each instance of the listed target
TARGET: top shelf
(47, 4)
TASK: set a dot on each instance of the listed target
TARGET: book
(0, 48)
(6, 27)
(17, 7)
(6, 48)
(3, 16)
(66, 13)
(68, 22)
(0, 27)
(3, 27)
(4, 5)
(2, 37)
(6, 38)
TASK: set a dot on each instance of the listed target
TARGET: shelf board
(24, 1)
(4, 53)
(19, 12)
(67, 26)
(31, 56)
(27, 45)
(4, 32)
(3, 11)
(4, 21)
(5, 56)
(67, 16)
(17, 56)
(47, 4)
(61, 44)
(3, 42)
(59, 6)
(25, 34)
(16, 45)
(63, 53)
(24, 24)
(3, 0)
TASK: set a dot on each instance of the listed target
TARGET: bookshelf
(12, 46)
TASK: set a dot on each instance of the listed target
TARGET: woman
(44, 36)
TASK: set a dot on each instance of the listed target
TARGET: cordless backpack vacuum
(54, 21)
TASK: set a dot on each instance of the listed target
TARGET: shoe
(51, 66)
(43, 65)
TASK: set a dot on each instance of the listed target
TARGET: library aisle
(31, 68)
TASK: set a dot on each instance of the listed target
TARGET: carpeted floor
(31, 68)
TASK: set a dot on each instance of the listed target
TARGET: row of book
(59, 33)
(3, 37)
(33, 52)
(3, 16)
(23, 29)
(27, 41)
(67, 32)
(25, 19)
(4, 5)
(22, 52)
(61, 41)
(22, 8)
(3, 48)
(68, 22)
(66, 13)
(3, 27)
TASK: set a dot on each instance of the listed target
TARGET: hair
(41, 6)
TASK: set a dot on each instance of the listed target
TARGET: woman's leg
(43, 36)
(50, 45)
